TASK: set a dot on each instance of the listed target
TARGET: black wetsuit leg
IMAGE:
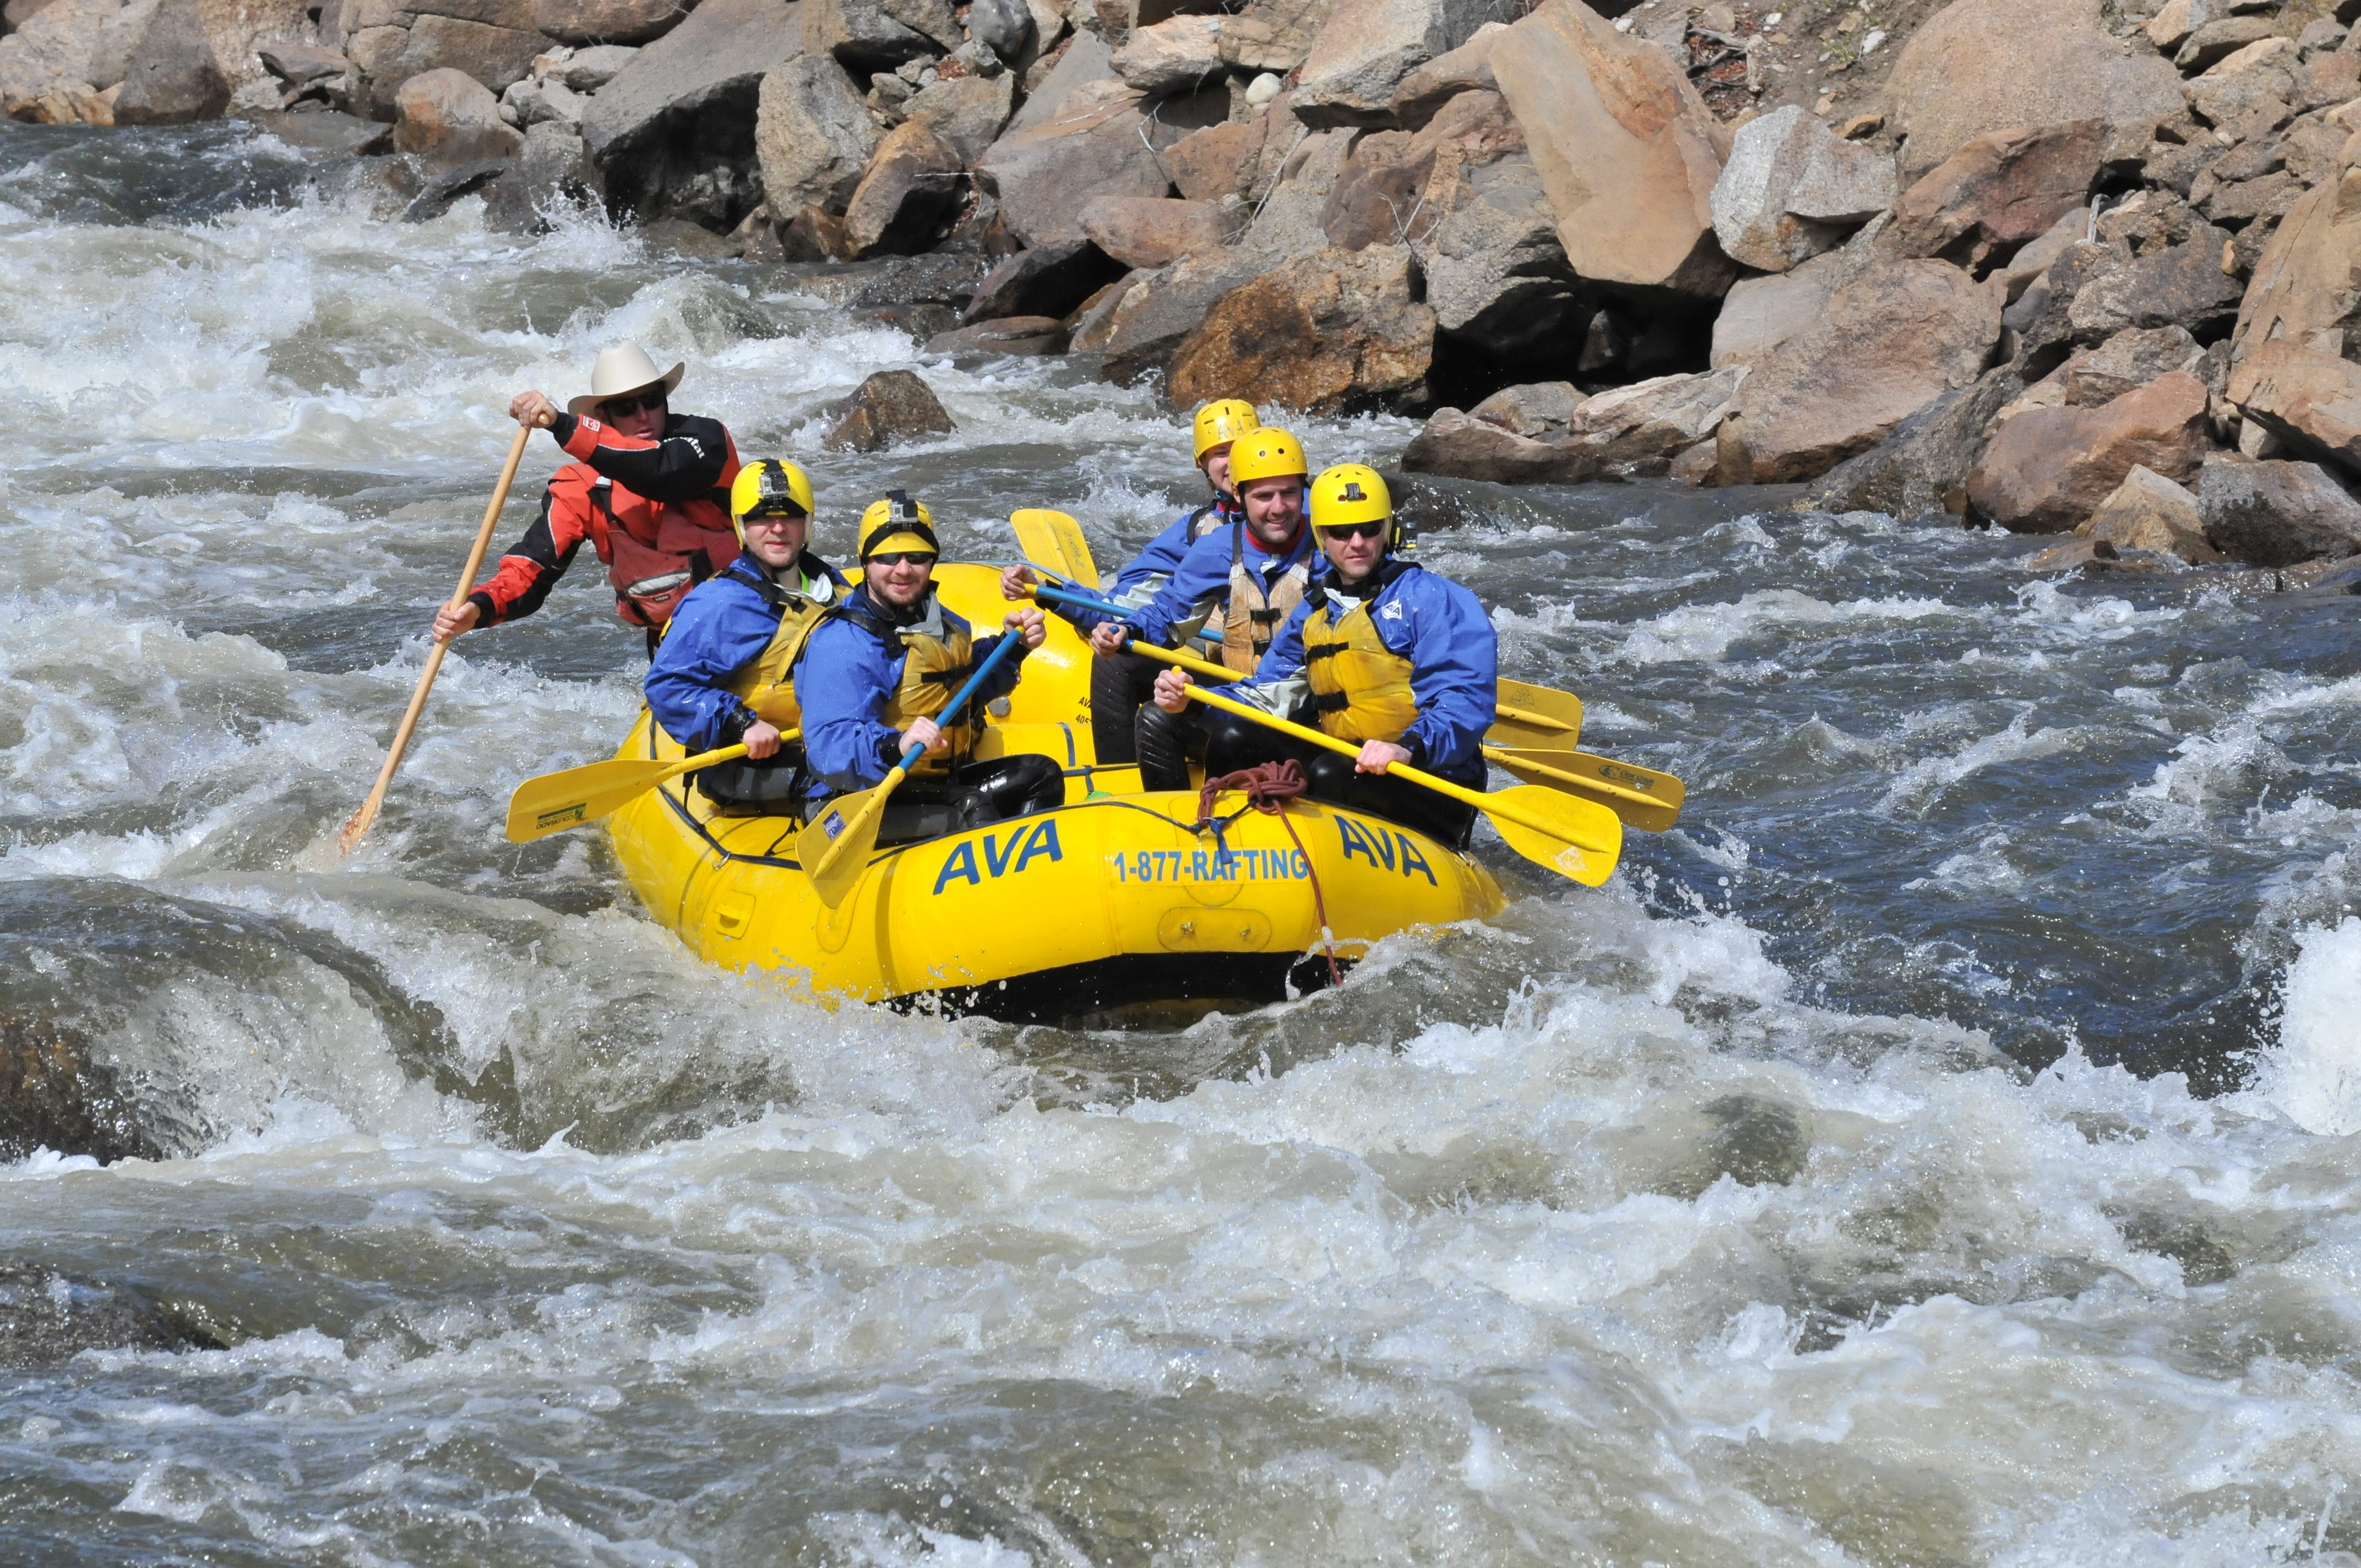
(1120, 683)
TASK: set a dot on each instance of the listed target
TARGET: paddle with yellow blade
(1527, 715)
(552, 802)
(1054, 540)
(834, 849)
(1642, 798)
(1573, 838)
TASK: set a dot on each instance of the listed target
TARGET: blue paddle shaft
(1010, 638)
(1104, 607)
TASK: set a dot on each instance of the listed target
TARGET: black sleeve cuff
(735, 723)
(562, 427)
(486, 612)
(1416, 746)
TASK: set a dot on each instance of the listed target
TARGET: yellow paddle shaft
(855, 831)
(1444, 788)
(1587, 786)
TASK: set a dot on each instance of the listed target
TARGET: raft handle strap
(1269, 786)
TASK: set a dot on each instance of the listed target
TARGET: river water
(1939, 1150)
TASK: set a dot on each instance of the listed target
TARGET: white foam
(2314, 1072)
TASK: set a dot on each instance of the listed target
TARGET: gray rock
(1048, 280)
(908, 193)
(448, 117)
(1006, 26)
(552, 174)
(607, 21)
(1793, 189)
(48, 1318)
(1274, 36)
(2276, 513)
(1367, 48)
(1044, 177)
(1023, 335)
(532, 102)
(967, 112)
(1535, 410)
(172, 78)
(1464, 447)
(813, 136)
(673, 134)
(1181, 54)
(1467, 69)
(1923, 467)
(890, 405)
(878, 35)
(1656, 418)
(2131, 358)
(2179, 285)
(444, 190)
(2149, 511)
(328, 132)
(1085, 59)
(1155, 314)
(587, 70)
(2217, 40)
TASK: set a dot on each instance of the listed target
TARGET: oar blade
(1054, 540)
(552, 802)
(1573, 837)
(1534, 715)
(834, 850)
(1658, 807)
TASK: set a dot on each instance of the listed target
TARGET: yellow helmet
(898, 524)
(1223, 419)
(769, 488)
(1348, 494)
(1266, 454)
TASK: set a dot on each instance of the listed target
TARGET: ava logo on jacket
(1025, 840)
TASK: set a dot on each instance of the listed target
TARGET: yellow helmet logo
(898, 524)
(1224, 420)
(1266, 454)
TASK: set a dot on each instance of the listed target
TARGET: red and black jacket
(656, 512)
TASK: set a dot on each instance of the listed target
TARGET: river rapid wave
(1939, 1150)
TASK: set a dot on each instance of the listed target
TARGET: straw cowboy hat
(625, 367)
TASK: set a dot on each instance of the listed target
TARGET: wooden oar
(358, 823)
(1643, 799)
(1573, 838)
(552, 802)
(834, 849)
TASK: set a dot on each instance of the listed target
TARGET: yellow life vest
(1360, 688)
(938, 656)
(1252, 618)
(766, 685)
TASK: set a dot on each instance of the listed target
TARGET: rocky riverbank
(2059, 266)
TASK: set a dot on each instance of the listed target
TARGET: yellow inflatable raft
(1112, 898)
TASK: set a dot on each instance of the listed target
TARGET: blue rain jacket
(1201, 584)
(1441, 628)
(846, 677)
(1148, 571)
(719, 628)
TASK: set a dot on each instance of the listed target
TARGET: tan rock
(2217, 40)
(1239, 158)
(173, 77)
(2168, 26)
(1045, 175)
(1274, 35)
(1323, 332)
(606, 21)
(1985, 65)
(1627, 151)
(1465, 447)
(70, 43)
(2306, 288)
(2149, 511)
(1184, 52)
(967, 112)
(1533, 409)
(1999, 190)
(813, 134)
(1792, 187)
(2048, 470)
(2126, 361)
(2309, 399)
(1467, 69)
(911, 188)
(448, 116)
(1656, 418)
(888, 406)
(1152, 231)
(1888, 344)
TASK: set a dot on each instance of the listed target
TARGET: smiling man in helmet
(1121, 683)
(721, 674)
(648, 489)
(1380, 652)
(879, 669)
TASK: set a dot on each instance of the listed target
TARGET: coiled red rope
(1269, 786)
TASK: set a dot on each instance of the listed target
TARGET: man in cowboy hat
(649, 489)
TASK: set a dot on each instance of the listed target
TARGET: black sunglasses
(896, 557)
(1342, 531)
(624, 408)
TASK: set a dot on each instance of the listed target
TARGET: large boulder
(2149, 511)
(1888, 344)
(1467, 68)
(890, 405)
(390, 41)
(2275, 514)
(1627, 150)
(552, 174)
(1048, 280)
(1276, 36)
(1182, 53)
(1237, 158)
(1658, 418)
(967, 112)
(1923, 467)
(877, 34)
(1999, 190)
(674, 133)
(1151, 317)
(1369, 46)
(1045, 176)
(2130, 359)
(1466, 447)
(607, 21)
(1154, 231)
(447, 116)
(1793, 188)
(2048, 469)
(172, 78)
(813, 136)
(84, 44)
(1985, 65)
(1080, 61)
(1758, 315)
(2178, 285)
(2306, 287)
(908, 195)
(1325, 332)
(2309, 399)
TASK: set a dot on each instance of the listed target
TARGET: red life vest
(656, 550)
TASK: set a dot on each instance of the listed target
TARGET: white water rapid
(1939, 1150)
